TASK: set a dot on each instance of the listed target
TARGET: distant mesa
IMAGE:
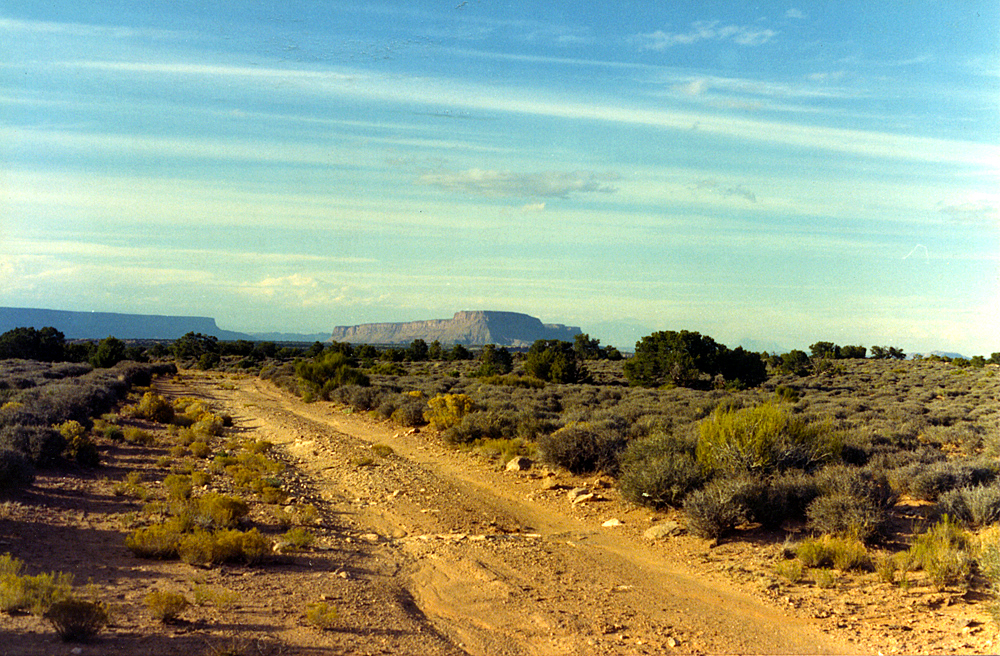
(98, 325)
(475, 328)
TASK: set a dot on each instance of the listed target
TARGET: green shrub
(659, 471)
(762, 439)
(988, 552)
(16, 470)
(410, 413)
(166, 606)
(582, 449)
(78, 445)
(790, 570)
(200, 449)
(785, 498)
(77, 620)
(205, 548)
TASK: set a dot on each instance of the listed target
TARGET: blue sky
(767, 174)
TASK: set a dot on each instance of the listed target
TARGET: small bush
(322, 615)
(825, 578)
(382, 450)
(410, 413)
(158, 542)
(976, 506)
(582, 449)
(936, 479)
(480, 425)
(34, 594)
(41, 444)
(16, 470)
(139, 437)
(943, 552)
(178, 486)
(298, 538)
(791, 570)
(713, 511)
(205, 548)
(200, 449)
(214, 510)
(166, 606)
(77, 620)
(852, 503)
(447, 410)
(762, 439)
(154, 407)
(659, 471)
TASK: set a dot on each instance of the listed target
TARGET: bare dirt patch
(427, 550)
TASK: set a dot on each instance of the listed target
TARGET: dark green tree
(827, 350)
(194, 345)
(682, 358)
(795, 362)
(459, 352)
(109, 352)
(587, 348)
(555, 361)
(45, 345)
(494, 361)
(742, 368)
(434, 351)
(417, 351)
(854, 352)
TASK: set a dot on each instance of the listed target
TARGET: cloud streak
(743, 35)
(546, 184)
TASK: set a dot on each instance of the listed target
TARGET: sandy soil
(429, 550)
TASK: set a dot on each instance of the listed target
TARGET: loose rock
(664, 530)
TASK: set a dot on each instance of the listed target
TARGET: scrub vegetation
(830, 443)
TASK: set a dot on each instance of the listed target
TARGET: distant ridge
(98, 325)
(472, 328)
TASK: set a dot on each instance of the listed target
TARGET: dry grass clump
(831, 551)
(322, 615)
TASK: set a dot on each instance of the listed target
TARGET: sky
(769, 174)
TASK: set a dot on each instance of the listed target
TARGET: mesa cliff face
(474, 328)
(98, 325)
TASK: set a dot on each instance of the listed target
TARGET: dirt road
(491, 562)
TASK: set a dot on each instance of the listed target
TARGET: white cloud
(794, 13)
(554, 184)
(705, 31)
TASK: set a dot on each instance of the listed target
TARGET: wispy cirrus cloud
(545, 184)
(87, 31)
(744, 35)
(981, 211)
